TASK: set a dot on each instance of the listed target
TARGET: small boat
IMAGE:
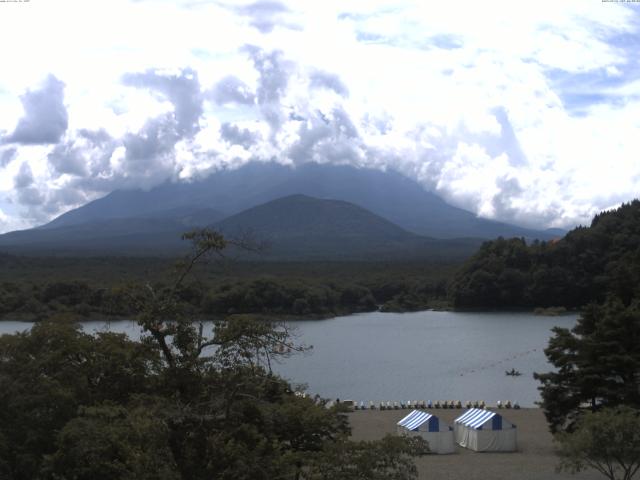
(513, 372)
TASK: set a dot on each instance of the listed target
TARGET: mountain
(386, 193)
(302, 227)
(151, 233)
(295, 227)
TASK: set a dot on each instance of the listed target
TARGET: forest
(590, 264)
(181, 403)
(33, 288)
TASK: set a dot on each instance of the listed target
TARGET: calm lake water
(411, 356)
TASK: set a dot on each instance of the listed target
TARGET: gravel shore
(534, 460)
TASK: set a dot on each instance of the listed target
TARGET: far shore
(534, 460)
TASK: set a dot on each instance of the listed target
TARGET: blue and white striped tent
(428, 426)
(485, 431)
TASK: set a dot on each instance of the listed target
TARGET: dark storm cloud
(24, 177)
(265, 15)
(238, 136)
(182, 90)
(231, 90)
(45, 117)
(6, 156)
(320, 79)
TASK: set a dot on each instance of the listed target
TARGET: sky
(526, 112)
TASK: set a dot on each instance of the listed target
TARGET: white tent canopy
(485, 431)
(428, 426)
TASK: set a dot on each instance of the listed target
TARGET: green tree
(111, 442)
(181, 403)
(48, 373)
(597, 364)
(388, 459)
(607, 441)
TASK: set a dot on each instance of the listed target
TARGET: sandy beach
(534, 460)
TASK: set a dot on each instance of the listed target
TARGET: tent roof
(414, 420)
(475, 418)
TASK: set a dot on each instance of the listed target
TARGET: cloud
(27, 193)
(541, 129)
(182, 90)
(274, 70)
(238, 136)
(45, 117)
(32, 197)
(147, 152)
(85, 154)
(66, 160)
(330, 137)
(24, 178)
(231, 90)
(7, 155)
(331, 81)
(265, 15)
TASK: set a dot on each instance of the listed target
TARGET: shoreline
(535, 458)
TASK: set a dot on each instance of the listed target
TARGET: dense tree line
(287, 296)
(588, 265)
(182, 403)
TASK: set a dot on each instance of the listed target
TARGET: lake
(411, 356)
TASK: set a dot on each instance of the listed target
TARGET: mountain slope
(296, 227)
(152, 233)
(302, 227)
(388, 194)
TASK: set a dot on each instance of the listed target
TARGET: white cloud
(518, 111)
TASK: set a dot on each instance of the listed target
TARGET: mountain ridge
(385, 193)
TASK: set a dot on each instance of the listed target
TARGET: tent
(485, 431)
(429, 427)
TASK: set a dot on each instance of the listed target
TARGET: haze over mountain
(385, 193)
